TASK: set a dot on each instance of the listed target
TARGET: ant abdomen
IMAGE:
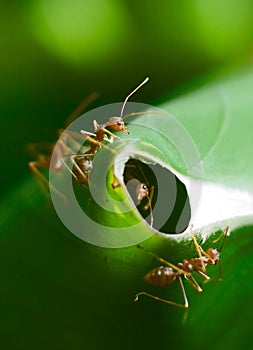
(85, 165)
(161, 276)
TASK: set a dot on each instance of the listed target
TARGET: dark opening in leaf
(165, 203)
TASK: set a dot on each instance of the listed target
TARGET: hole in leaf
(165, 202)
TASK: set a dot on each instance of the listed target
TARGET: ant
(138, 185)
(82, 164)
(81, 161)
(166, 275)
(56, 152)
(142, 191)
(115, 123)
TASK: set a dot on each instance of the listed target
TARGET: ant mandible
(166, 275)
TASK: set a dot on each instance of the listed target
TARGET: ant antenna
(131, 93)
(226, 233)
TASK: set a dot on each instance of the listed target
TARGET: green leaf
(60, 292)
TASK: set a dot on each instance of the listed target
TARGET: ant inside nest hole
(160, 197)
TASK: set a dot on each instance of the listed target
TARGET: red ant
(166, 275)
(54, 158)
(141, 189)
(81, 161)
(82, 164)
(115, 123)
(142, 192)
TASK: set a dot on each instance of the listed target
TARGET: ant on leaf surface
(82, 161)
(56, 152)
(102, 131)
(168, 273)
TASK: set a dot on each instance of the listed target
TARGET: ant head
(141, 192)
(214, 254)
(117, 124)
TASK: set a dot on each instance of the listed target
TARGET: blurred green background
(54, 53)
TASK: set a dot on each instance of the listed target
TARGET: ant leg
(67, 167)
(184, 306)
(187, 274)
(83, 132)
(96, 125)
(44, 162)
(65, 148)
(219, 278)
(34, 168)
(93, 141)
(71, 137)
(150, 197)
(151, 212)
(149, 205)
(224, 234)
(108, 132)
(88, 137)
(200, 252)
(163, 261)
(201, 273)
(96, 143)
(111, 134)
(76, 166)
